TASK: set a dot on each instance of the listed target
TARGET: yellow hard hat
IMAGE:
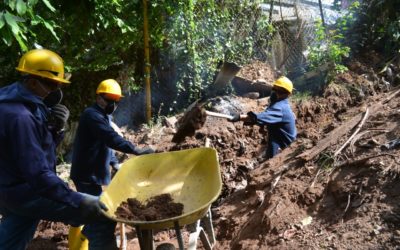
(284, 83)
(111, 88)
(43, 63)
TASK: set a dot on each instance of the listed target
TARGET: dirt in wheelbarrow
(156, 208)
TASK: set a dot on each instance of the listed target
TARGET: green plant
(325, 160)
(17, 19)
(330, 43)
(377, 27)
(328, 49)
(301, 96)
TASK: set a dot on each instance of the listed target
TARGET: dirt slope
(290, 202)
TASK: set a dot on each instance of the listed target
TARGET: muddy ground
(313, 195)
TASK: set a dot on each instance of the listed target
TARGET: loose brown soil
(192, 120)
(288, 202)
(156, 208)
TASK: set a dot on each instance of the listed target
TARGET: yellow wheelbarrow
(192, 177)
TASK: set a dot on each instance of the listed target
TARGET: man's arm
(271, 115)
(102, 129)
(33, 162)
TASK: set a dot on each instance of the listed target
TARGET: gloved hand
(91, 208)
(144, 151)
(251, 119)
(235, 117)
(58, 118)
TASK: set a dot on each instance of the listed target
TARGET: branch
(354, 134)
(357, 137)
(363, 160)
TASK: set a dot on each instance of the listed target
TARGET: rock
(261, 81)
(252, 95)
(169, 122)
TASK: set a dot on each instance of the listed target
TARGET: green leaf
(7, 37)
(2, 21)
(21, 43)
(11, 4)
(21, 7)
(48, 4)
(32, 2)
(51, 29)
(11, 21)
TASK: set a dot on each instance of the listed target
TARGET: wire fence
(277, 32)
(210, 32)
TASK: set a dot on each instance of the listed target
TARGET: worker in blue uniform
(277, 117)
(94, 145)
(30, 190)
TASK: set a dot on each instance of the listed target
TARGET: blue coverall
(30, 190)
(93, 155)
(281, 125)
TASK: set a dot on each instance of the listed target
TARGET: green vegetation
(330, 47)
(325, 161)
(377, 27)
(101, 39)
(301, 96)
(188, 38)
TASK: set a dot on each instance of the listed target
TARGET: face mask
(273, 97)
(110, 108)
(53, 98)
(47, 92)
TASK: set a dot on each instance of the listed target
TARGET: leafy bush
(188, 38)
(330, 42)
(328, 49)
(377, 27)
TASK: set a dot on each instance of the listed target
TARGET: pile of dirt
(156, 208)
(193, 119)
(314, 194)
(257, 70)
(327, 201)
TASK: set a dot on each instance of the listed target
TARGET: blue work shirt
(281, 125)
(28, 151)
(92, 150)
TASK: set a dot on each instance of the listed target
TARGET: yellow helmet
(111, 88)
(43, 63)
(284, 83)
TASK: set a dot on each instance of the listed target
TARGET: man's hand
(92, 208)
(58, 118)
(144, 151)
(235, 118)
(251, 119)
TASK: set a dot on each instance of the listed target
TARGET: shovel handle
(219, 115)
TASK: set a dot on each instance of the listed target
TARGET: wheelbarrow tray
(192, 177)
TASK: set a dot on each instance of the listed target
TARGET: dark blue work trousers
(98, 233)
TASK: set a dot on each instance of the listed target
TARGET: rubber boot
(76, 240)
